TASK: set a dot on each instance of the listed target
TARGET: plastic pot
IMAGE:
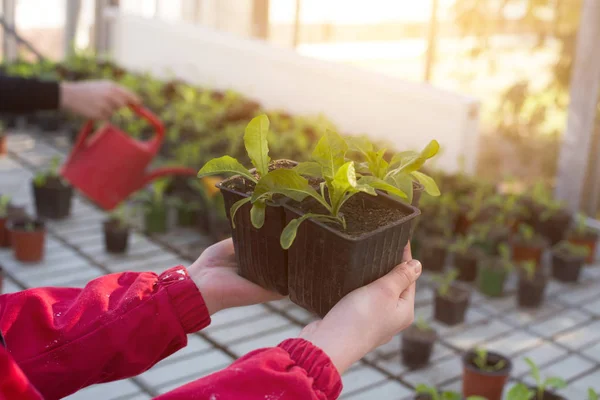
(116, 236)
(466, 264)
(417, 346)
(28, 244)
(53, 199)
(13, 213)
(566, 267)
(530, 293)
(588, 241)
(522, 252)
(433, 254)
(451, 308)
(488, 384)
(555, 228)
(155, 219)
(491, 278)
(325, 264)
(258, 251)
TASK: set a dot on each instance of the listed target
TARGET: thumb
(400, 278)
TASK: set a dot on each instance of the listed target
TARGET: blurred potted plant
(466, 257)
(417, 344)
(154, 205)
(582, 235)
(424, 392)
(3, 144)
(28, 239)
(549, 217)
(116, 231)
(485, 374)
(451, 299)
(532, 285)
(493, 272)
(52, 193)
(527, 246)
(542, 388)
(567, 261)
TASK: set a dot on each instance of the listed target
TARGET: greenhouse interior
(172, 170)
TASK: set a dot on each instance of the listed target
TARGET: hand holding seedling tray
(317, 230)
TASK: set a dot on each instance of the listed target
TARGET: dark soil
(116, 225)
(456, 293)
(363, 214)
(414, 333)
(243, 185)
(55, 183)
(21, 225)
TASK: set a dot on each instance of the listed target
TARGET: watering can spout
(109, 165)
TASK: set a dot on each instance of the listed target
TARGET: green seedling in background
(463, 244)
(422, 325)
(434, 394)
(52, 172)
(592, 395)
(569, 248)
(505, 258)
(482, 362)
(445, 282)
(526, 232)
(4, 203)
(540, 384)
(120, 214)
(530, 268)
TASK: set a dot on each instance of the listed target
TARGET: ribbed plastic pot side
(489, 384)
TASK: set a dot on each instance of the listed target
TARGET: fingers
(400, 278)
(407, 254)
(409, 294)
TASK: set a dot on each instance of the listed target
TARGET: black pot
(116, 237)
(451, 309)
(566, 267)
(417, 347)
(466, 264)
(555, 228)
(325, 264)
(53, 200)
(433, 254)
(530, 293)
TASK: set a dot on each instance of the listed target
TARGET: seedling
(445, 282)
(422, 325)
(580, 228)
(505, 259)
(4, 203)
(526, 233)
(541, 384)
(530, 268)
(434, 394)
(481, 360)
(572, 249)
(543, 197)
(592, 395)
(155, 197)
(463, 244)
(52, 172)
(120, 215)
(29, 226)
(403, 168)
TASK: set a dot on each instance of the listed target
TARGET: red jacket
(59, 340)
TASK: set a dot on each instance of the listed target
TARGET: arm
(295, 369)
(117, 326)
(23, 95)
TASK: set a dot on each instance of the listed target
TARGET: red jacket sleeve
(117, 326)
(294, 370)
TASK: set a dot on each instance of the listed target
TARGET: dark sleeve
(24, 95)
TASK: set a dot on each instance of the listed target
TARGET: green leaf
(288, 235)
(288, 183)
(403, 182)
(592, 395)
(382, 185)
(309, 168)
(255, 140)
(475, 398)
(377, 164)
(360, 143)
(534, 370)
(431, 187)
(330, 153)
(235, 207)
(344, 181)
(416, 162)
(425, 389)
(451, 396)
(519, 392)
(403, 157)
(225, 165)
(556, 383)
(257, 214)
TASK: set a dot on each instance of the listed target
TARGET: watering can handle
(160, 172)
(143, 112)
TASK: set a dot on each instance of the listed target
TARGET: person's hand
(215, 274)
(96, 100)
(367, 317)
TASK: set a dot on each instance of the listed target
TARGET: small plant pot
(566, 267)
(433, 254)
(116, 236)
(488, 384)
(53, 199)
(530, 293)
(28, 245)
(186, 217)
(13, 213)
(491, 279)
(3, 144)
(463, 223)
(325, 264)
(547, 395)
(588, 241)
(466, 264)
(417, 346)
(155, 219)
(451, 309)
(527, 252)
(555, 228)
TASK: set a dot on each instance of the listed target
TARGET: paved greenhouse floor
(563, 337)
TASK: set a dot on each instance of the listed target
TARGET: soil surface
(457, 294)
(363, 214)
(53, 182)
(414, 333)
(243, 185)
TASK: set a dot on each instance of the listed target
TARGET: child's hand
(368, 317)
(215, 274)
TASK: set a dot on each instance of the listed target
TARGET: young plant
(566, 247)
(520, 392)
(542, 384)
(41, 178)
(445, 281)
(542, 196)
(120, 215)
(529, 267)
(592, 395)
(481, 360)
(580, 228)
(526, 233)
(4, 203)
(505, 258)
(463, 244)
(422, 325)
(434, 394)
(402, 170)
(339, 184)
(156, 196)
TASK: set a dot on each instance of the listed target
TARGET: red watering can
(109, 165)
